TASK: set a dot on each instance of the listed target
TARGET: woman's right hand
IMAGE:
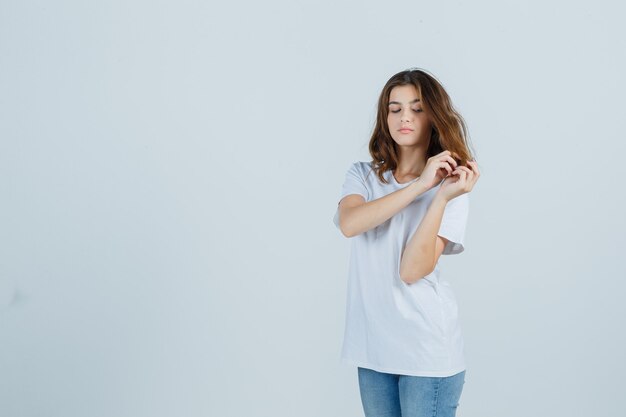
(437, 168)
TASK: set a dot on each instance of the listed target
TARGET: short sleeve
(453, 224)
(353, 184)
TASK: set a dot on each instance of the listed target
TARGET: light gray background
(169, 172)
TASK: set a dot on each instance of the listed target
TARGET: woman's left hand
(460, 181)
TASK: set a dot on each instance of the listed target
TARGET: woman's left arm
(424, 248)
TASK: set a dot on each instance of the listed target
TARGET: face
(406, 112)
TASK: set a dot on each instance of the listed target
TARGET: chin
(408, 142)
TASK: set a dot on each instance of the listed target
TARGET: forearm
(418, 257)
(359, 219)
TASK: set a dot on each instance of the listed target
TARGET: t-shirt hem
(361, 364)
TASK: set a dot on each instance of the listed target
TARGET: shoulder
(363, 167)
(360, 168)
(364, 171)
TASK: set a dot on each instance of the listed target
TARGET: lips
(406, 130)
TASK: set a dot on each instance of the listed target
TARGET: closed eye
(415, 110)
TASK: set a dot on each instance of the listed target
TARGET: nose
(405, 116)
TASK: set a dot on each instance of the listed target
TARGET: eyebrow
(396, 102)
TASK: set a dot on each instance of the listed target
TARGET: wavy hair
(449, 131)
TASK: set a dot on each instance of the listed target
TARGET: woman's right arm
(357, 216)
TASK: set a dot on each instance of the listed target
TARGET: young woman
(402, 210)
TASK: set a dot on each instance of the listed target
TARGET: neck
(411, 162)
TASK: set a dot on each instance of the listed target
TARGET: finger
(471, 179)
(462, 175)
(446, 166)
(450, 159)
(474, 166)
(469, 175)
(445, 158)
(465, 169)
(476, 174)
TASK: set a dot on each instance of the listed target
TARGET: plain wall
(169, 172)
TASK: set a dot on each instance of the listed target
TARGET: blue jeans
(390, 395)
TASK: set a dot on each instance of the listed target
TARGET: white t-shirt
(391, 326)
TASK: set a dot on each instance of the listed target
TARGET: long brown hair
(449, 131)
